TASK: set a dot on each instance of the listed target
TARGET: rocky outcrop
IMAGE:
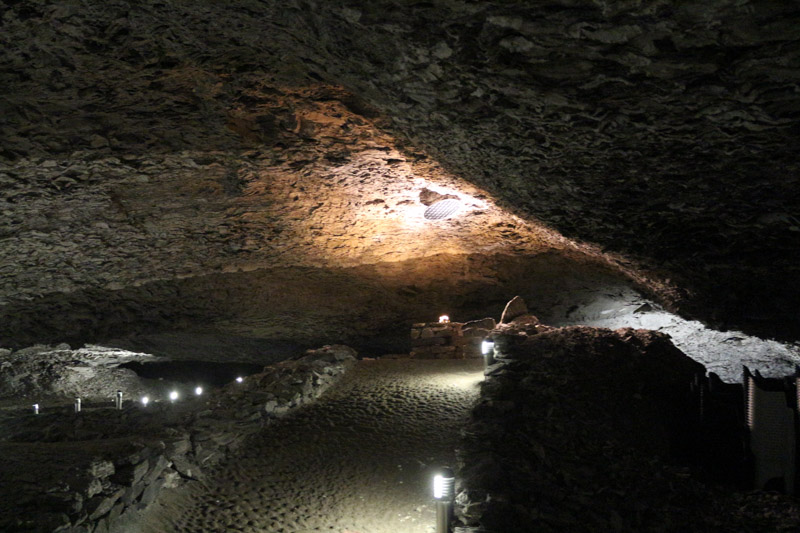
(578, 429)
(39, 372)
(84, 472)
(514, 308)
(162, 140)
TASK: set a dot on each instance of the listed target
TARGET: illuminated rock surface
(165, 141)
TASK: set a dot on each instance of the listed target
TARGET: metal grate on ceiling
(442, 209)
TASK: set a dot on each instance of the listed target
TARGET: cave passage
(201, 372)
(359, 459)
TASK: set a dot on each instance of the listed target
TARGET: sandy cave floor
(359, 460)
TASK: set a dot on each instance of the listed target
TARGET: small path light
(198, 391)
(239, 379)
(444, 484)
(444, 319)
(118, 400)
(77, 405)
(487, 348)
(36, 408)
(173, 396)
(145, 400)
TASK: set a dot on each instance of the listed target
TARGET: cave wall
(163, 141)
(665, 131)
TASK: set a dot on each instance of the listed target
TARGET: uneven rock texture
(148, 143)
(87, 471)
(577, 429)
(666, 131)
(312, 305)
(43, 372)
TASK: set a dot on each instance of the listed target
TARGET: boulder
(514, 308)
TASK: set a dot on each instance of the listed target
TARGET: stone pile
(449, 340)
(89, 472)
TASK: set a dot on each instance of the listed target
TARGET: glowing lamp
(239, 379)
(118, 400)
(173, 395)
(77, 405)
(487, 347)
(145, 400)
(444, 319)
(198, 391)
(36, 408)
(444, 484)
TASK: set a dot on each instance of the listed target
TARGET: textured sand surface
(358, 460)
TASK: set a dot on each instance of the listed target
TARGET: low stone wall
(82, 473)
(449, 340)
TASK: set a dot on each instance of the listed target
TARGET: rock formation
(158, 154)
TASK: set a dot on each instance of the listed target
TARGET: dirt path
(358, 460)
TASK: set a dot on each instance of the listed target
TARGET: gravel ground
(358, 460)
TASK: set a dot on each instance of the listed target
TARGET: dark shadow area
(271, 312)
(208, 373)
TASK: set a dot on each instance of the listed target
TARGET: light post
(118, 400)
(77, 405)
(36, 408)
(444, 484)
(487, 348)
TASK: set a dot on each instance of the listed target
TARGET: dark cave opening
(201, 372)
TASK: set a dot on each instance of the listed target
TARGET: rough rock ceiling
(148, 149)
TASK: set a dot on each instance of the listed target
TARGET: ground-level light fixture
(36, 408)
(145, 400)
(77, 405)
(444, 319)
(239, 379)
(118, 400)
(444, 484)
(173, 396)
(198, 391)
(487, 349)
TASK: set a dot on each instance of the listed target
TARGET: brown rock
(477, 332)
(484, 323)
(514, 308)
(434, 341)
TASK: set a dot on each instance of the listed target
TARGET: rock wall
(577, 429)
(314, 305)
(165, 140)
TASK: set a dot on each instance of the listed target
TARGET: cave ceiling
(150, 148)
